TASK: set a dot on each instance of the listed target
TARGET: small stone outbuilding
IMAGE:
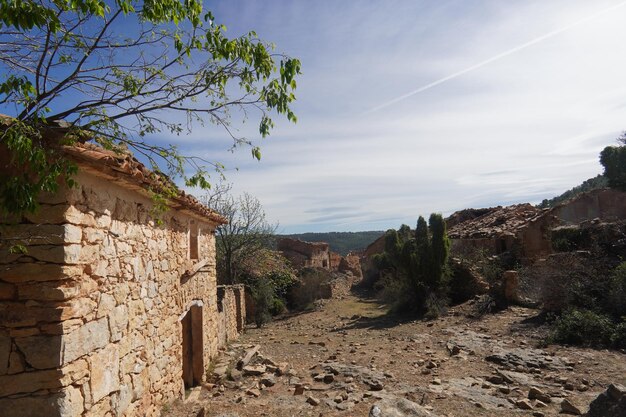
(305, 254)
(109, 312)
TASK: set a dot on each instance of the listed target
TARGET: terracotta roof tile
(498, 222)
(125, 166)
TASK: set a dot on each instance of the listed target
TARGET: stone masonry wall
(231, 312)
(90, 316)
(305, 254)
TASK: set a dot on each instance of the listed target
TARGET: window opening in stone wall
(193, 240)
(220, 299)
(193, 361)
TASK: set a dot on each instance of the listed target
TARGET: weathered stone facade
(231, 307)
(107, 313)
(526, 229)
(604, 204)
(305, 254)
(522, 228)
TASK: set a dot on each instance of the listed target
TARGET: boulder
(611, 402)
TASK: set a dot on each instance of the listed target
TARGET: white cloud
(524, 127)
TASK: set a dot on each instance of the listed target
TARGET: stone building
(605, 204)
(305, 254)
(522, 228)
(109, 312)
(526, 228)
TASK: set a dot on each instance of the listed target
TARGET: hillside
(598, 181)
(341, 242)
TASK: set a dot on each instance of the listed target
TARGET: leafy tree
(244, 239)
(613, 159)
(117, 72)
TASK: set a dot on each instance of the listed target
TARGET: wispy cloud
(521, 114)
(496, 57)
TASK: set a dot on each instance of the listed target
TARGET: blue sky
(412, 107)
(524, 97)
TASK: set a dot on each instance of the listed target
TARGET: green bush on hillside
(583, 327)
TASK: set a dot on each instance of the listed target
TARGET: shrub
(567, 239)
(435, 305)
(277, 307)
(583, 327)
(398, 294)
(263, 295)
(617, 292)
(618, 339)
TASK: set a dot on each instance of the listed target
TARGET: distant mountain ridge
(599, 181)
(340, 242)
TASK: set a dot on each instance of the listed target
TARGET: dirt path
(347, 356)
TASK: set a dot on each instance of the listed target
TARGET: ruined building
(108, 312)
(522, 228)
(305, 254)
(526, 229)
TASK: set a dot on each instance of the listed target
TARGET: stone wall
(604, 204)
(305, 254)
(335, 260)
(91, 317)
(338, 287)
(231, 306)
(350, 264)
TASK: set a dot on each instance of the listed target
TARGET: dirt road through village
(347, 356)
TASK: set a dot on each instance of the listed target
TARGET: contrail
(494, 58)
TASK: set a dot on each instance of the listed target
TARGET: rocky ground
(347, 358)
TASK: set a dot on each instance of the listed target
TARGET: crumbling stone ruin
(317, 255)
(522, 227)
(305, 254)
(344, 271)
(526, 229)
(108, 312)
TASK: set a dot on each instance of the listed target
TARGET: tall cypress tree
(440, 248)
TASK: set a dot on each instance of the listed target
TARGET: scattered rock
(299, 390)
(611, 402)
(312, 400)
(496, 379)
(268, 380)
(536, 394)
(524, 405)
(453, 348)
(254, 392)
(254, 370)
(373, 384)
(250, 353)
(568, 408)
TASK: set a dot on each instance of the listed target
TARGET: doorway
(193, 361)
